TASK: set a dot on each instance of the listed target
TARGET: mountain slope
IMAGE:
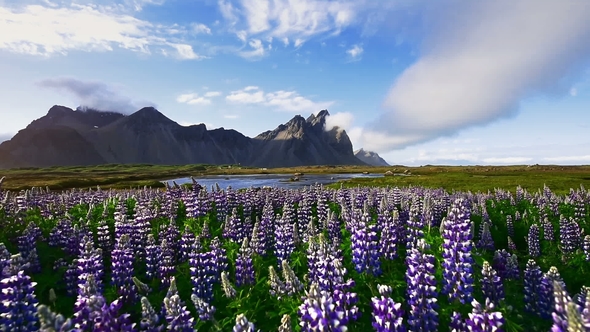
(67, 137)
(304, 142)
(370, 157)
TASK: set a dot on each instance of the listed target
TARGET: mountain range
(68, 137)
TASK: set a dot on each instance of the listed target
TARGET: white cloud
(289, 101)
(209, 126)
(193, 99)
(246, 97)
(94, 94)
(573, 92)
(507, 160)
(568, 159)
(296, 20)
(231, 116)
(342, 120)
(51, 30)
(201, 28)
(298, 42)
(210, 94)
(355, 52)
(478, 63)
(186, 52)
(257, 50)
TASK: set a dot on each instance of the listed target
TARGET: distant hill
(66, 137)
(370, 157)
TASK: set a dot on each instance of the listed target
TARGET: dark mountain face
(89, 137)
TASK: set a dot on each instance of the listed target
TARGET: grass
(462, 178)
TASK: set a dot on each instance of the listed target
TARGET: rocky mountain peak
(59, 110)
(149, 116)
(370, 157)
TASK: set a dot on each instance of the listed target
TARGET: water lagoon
(270, 180)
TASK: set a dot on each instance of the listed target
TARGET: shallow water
(270, 180)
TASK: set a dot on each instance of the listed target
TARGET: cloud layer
(289, 101)
(479, 62)
(53, 30)
(94, 94)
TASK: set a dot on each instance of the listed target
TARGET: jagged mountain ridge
(67, 137)
(370, 157)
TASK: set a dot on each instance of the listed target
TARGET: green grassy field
(473, 178)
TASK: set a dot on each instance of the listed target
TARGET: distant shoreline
(448, 177)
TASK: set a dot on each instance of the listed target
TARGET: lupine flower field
(315, 259)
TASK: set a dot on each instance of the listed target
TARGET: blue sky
(451, 82)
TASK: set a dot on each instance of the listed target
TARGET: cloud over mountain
(94, 94)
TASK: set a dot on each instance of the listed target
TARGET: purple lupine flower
(90, 263)
(166, 266)
(89, 304)
(152, 257)
(245, 274)
(484, 319)
(334, 229)
(491, 284)
(277, 286)
(457, 324)
(365, 251)
(389, 239)
(511, 244)
(421, 290)
(122, 270)
(533, 277)
(50, 321)
(18, 311)
(27, 246)
(204, 309)
(228, 289)
(512, 270)
(387, 314)
(4, 260)
(457, 246)
(286, 325)
(233, 227)
(500, 261)
(186, 242)
(319, 313)
(171, 234)
(561, 299)
(150, 321)
(284, 237)
(486, 242)
(415, 224)
(292, 284)
(580, 298)
(569, 236)
(111, 320)
(103, 236)
(219, 258)
(548, 232)
(178, 318)
(322, 207)
(510, 225)
(243, 325)
(586, 247)
(303, 217)
(202, 270)
(547, 302)
(533, 242)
